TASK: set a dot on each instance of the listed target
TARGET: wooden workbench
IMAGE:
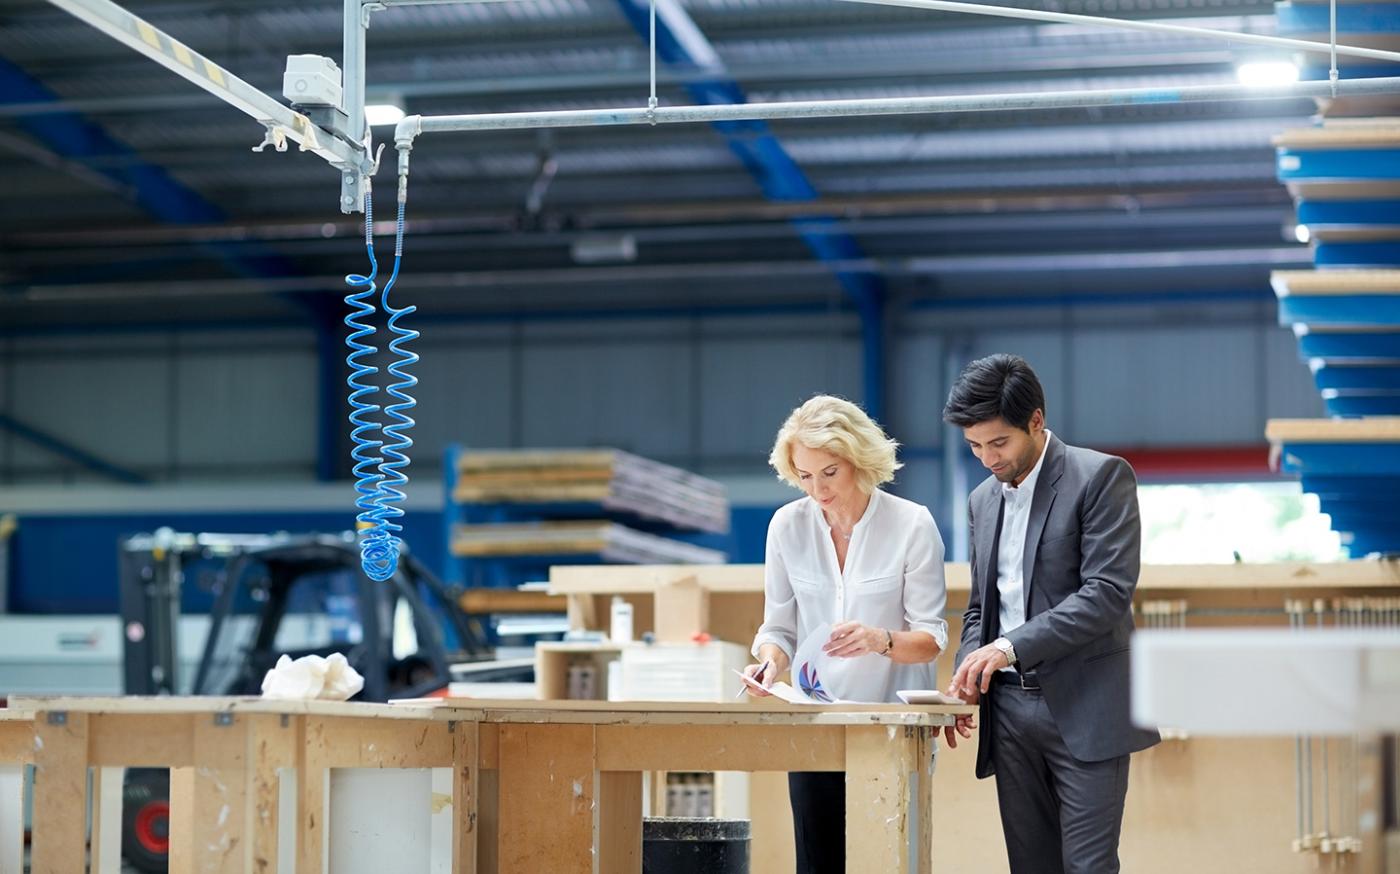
(535, 786)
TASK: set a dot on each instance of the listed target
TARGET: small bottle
(675, 796)
(621, 628)
(705, 795)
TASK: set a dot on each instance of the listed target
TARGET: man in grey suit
(1054, 542)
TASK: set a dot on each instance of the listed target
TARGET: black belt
(1029, 681)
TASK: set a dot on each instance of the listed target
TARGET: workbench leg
(209, 803)
(889, 797)
(464, 793)
(60, 793)
(546, 799)
(106, 837)
(11, 818)
(272, 740)
(313, 795)
(620, 822)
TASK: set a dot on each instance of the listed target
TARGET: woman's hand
(763, 674)
(772, 663)
(851, 639)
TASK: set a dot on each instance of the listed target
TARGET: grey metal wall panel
(634, 396)
(464, 396)
(749, 386)
(236, 412)
(115, 407)
(917, 390)
(1289, 389)
(1167, 387)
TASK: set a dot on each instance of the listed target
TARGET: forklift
(273, 595)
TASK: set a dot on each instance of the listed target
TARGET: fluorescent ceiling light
(380, 114)
(1301, 233)
(1267, 73)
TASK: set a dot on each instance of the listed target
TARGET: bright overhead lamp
(380, 114)
(1264, 73)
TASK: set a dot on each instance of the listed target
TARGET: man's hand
(974, 675)
(963, 726)
(851, 639)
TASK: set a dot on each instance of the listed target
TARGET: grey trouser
(1059, 815)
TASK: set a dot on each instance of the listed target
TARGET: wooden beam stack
(617, 481)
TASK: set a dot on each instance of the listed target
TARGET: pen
(757, 677)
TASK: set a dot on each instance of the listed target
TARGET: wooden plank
(313, 792)
(619, 822)
(272, 744)
(888, 781)
(465, 794)
(698, 713)
(139, 740)
(640, 579)
(583, 612)
(367, 743)
(209, 801)
(60, 793)
(105, 835)
(1322, 283)
(17, 741)
(546, 799)
(737, 748)
(682, 610)
(138, 704)
(1372, 429)
(479, 601)
(1375, 134)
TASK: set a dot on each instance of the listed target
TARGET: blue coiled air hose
(380, 464)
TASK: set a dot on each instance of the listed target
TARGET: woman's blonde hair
(836, 425)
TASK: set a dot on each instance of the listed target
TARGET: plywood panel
(546, 799)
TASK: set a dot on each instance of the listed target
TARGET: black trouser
(819, 820)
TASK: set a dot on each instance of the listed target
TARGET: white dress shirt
(893, 579)
(1011, 549)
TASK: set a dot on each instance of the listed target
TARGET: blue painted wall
(68, 563)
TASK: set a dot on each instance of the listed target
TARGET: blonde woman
(859, 559)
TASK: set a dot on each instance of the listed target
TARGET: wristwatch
(889, 642)
(1005, 646)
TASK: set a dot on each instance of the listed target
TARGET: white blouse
(893, 579)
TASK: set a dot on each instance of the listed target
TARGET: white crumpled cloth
(330, 679)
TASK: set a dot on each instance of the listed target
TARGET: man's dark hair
(998, 386)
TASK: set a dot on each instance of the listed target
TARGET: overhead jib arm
(281, 123)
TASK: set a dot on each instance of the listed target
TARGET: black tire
(146, 819)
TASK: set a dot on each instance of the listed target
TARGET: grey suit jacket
(1082, 555)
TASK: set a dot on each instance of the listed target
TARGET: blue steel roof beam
(681, 45)
(74, 138)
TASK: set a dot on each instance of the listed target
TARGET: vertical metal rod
(651, 101)
(1319, 608)
(1332, 73)
(352, 71)
(1292, 608)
